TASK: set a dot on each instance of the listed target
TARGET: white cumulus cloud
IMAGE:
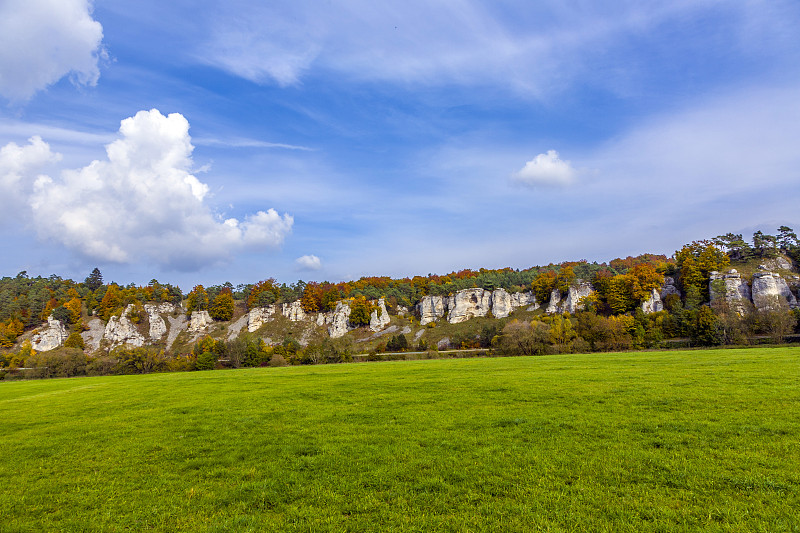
(308, 262)
(142, 203)
(546, 169)
(41, 41)
(19, 166)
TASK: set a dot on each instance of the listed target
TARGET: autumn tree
(222, 307)
(197, 299)
(360, 310)
(264, 293)
(111, 302)
(696, 261)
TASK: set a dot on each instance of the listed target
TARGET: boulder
(120, 330)
(731, 288)
(770, 291)
(468, 303)
(653, 304)
(430, 309)
(50, 337)
(199, 321)
(258, 316)
(293, 311)
(379, 318)
(340, 320)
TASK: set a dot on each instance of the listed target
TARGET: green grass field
(659, 441)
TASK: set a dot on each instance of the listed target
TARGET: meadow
(651, 441)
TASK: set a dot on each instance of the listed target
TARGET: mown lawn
(662, 441)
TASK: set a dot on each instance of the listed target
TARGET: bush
(206, 361)
(75, 341)
(59, 363)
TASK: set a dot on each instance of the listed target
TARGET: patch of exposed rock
(339, 324)
(669, 287)
(379, 318)
(199, 321)
(431, 308)
(770, 291)
(293, 311)
(731, 288)
(653, 304)
(572, 303)
(554, 304)
(468, 303)
(92, 336)
(158, 328)
(258, 316)
(120, 330)
(177, 324)
(50, 337)
(236, 326)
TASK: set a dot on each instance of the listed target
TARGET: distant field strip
(649, 441)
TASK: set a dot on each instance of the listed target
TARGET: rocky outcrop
(50, 337)
(236, 327)
(468, 303)
(339, 324)
(293, 311)
(653, 304)
(501, 303)
(572, 303)
(258, 316)
(177, 324)
(770, 291)
(554, 304)
(158, 328)
(731, 288)
(120, 330)
(669, 287)
(431, 308)
(199, 321)
(379, 318)
(92, 336)
(524, 299)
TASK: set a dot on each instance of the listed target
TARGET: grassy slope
(677, 441)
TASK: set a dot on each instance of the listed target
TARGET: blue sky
(209, 141)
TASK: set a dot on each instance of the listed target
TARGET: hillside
(722, 291)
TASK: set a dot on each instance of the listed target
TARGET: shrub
(206, 361)
(75, 341)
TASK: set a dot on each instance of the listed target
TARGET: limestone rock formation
(177, 324)
(653, 304)
(258, 316)
(669, 287)
(430, 308)
(730, 287)
(50, 337)
(770, 291)
(339, 320)
(236, 326)
(555, 302)
(120, 330)
(293, 311)
(92, 336)
(524, 299)
(468, 303)
(157, 325)
(501, 303)
(572, 302)
(379, 318)
(199, 321)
